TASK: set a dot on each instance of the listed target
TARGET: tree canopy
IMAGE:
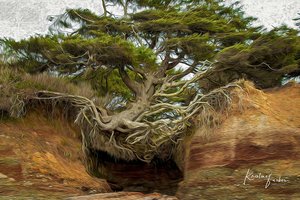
(158, 61)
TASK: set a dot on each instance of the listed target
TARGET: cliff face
(253, 154)
(41, 158)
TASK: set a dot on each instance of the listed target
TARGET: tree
(161, 63)
(297, 20)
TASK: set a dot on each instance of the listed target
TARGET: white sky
(272, 13)
(22, 18)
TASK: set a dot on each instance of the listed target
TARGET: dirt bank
(41, 158)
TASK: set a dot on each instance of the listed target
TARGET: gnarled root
(141, 138)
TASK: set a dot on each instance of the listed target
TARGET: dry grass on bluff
(15, 84)
(13, 79)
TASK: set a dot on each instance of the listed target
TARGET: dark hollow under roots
(161, 176)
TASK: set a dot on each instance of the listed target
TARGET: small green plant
(67, 154)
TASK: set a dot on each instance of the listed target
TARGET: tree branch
(128, 82)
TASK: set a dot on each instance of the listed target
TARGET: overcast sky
(22, 18)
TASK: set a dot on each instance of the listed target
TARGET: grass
(10, 78)
(8, 161)
(17, 84)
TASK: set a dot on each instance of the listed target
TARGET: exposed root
(144, 137)
(17, 108)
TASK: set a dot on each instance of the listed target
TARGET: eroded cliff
(254, 153)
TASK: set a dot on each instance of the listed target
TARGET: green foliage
(68, 54)
(106, 82)
(265, 61)
(194, 46)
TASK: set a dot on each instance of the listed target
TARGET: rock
(124, 196)
(27, 163)
(27, 183)
(253, 154)
(160, 176)
(12, 179)
(3, 176)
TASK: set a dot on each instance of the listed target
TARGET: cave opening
(162, 176)
(4, 114)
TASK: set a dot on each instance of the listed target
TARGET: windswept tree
(159, 65)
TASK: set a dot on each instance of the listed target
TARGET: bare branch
(205, 67)
(128, 82)
(136, 35)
